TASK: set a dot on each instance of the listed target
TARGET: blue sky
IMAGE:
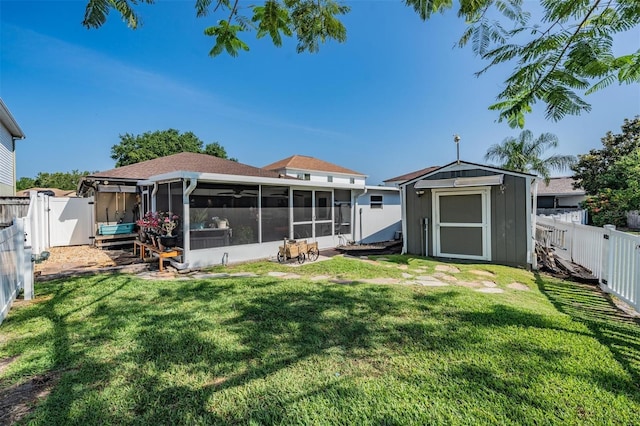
(384, 103)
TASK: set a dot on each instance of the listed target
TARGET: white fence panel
(16, 271)
(623, 272)
(70, 221)
(611, 256)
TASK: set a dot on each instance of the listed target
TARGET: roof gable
(465, 165)
(305, 163)
(184, 161)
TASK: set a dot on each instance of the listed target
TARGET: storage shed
(469, 211)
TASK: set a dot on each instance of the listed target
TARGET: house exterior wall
(508, 218)
(7, 163)
(378, 224)
(324, 177)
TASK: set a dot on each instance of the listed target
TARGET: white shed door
(462, 224)
(70, 221)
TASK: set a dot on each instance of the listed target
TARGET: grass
(263, 350)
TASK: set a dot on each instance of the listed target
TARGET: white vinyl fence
(16, 268)
(577, 216)
(611, 256)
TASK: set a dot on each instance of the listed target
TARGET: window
(307, 176)
(376, 201)
(352, 180)
(329, 178)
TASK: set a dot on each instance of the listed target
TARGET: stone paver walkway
(444, 276)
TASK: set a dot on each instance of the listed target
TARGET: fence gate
(70, 221)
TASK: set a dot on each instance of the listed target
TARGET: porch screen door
(462, 223)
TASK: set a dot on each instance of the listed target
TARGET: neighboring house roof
(56, 192)
(412, 175)
(184, 161)
(560, 186)
(466, 164)
(302, 162)
(9, 122)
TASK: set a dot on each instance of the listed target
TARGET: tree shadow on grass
(619, 332)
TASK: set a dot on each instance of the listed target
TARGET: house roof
(184, 161)
(302, 162)
(9, 122)
(560, 186)
(57, 192)
(412, 175)
(462, 165)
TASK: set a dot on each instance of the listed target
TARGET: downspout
(355, 210)
(153, 196)
(531, 213)
(403, 218)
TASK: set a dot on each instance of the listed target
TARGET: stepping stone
(447, 268)
(277, 274)
(427, 278)
(200, 276)
(320, 278)
(341, 281)
(290, 276)
(489, 284)
(490, 290)
(243, 275)
(443, 276)
(518, 286)
(469, 284)
(431, 283)
(381, 281)
(403, 267)
(405, 275)
(482, 273)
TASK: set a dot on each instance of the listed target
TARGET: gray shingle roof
(559, 186)
(184, 161)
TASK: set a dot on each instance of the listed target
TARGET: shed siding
(508, 218)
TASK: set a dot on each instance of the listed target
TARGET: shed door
(462, 223)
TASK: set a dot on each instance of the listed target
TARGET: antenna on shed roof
(456, 139)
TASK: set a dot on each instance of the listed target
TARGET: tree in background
(147, 146)
(568, 53)
(523, 154)
(61, 180)
(611, 175)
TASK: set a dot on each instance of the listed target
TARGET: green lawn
(264, 350)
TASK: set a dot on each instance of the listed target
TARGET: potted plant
(167, 222)
(197, 218)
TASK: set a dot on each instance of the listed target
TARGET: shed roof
(466, 165)
(184, 161)
(303, 162)
(412, 175)
(560, 186)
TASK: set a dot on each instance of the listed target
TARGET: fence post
(637, 280)
(607, 256)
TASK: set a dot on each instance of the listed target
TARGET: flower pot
(168, 241)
